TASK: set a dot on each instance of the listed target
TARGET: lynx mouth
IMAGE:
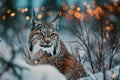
(45, 46)
(48, 49)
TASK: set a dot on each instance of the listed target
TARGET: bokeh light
(3, 17)
(27, 17)
(12, 14)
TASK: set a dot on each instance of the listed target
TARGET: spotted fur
(59, 57)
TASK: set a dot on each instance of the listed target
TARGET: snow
(41, 72)
(110, 74)
(36, 72)
(8, 76)
(3, 51)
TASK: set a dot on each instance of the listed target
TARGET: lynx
(45, 47)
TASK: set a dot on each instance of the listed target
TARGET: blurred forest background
(94, 23)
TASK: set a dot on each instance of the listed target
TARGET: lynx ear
(55, 22)
(35, 21)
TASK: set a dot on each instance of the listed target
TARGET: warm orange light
(8, 11)
(77, 15)
(12, 14)
(78, 8)
(60, 13)
(49, 13)
(40, 16)
(71, 12)
(108, 28)
(64, 6)
(3, 17)
(26, 9)
(113, 75)
(90, 11)
(111, 8)
(22, 10)
(98, 12)
(107, 34)
(27, 17)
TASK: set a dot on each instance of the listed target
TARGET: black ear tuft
(34, 13)
(55, 22)
(33, 25)
(35, 21)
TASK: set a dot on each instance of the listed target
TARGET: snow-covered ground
(38, 72)
(110, 75)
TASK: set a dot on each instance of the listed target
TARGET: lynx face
(44, 36)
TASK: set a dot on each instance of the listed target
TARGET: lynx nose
(47, 40)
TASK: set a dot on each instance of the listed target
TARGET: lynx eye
(52, 34)
(41, 34)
